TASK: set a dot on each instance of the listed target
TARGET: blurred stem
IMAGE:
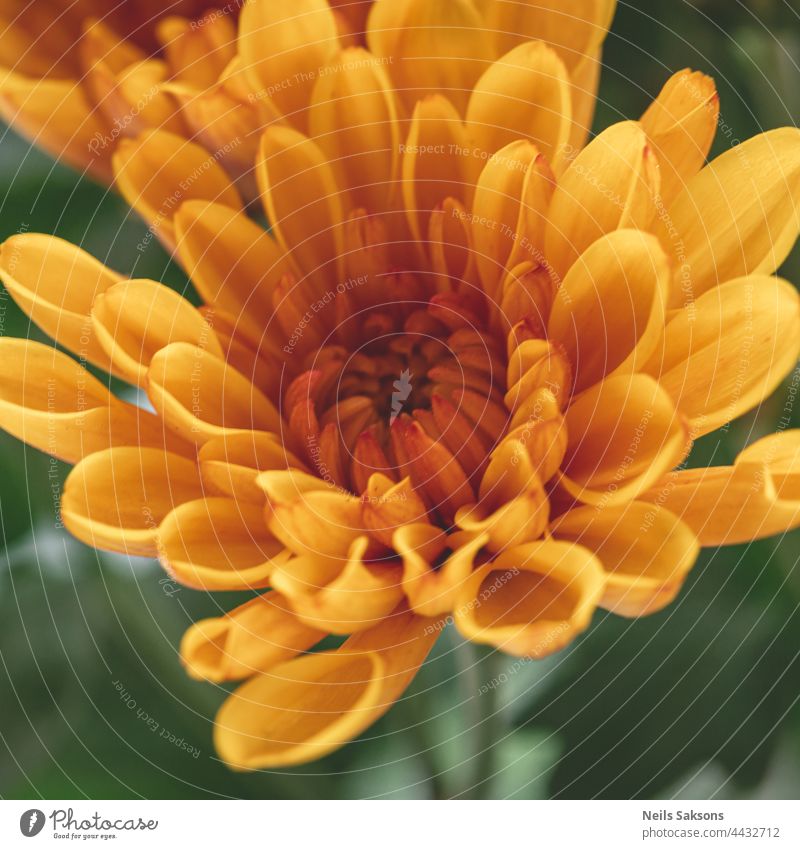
(478, 665)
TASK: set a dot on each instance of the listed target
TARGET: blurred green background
(701, 700)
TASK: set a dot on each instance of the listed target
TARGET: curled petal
(218, 544)
(624, 435)
(647, 553)
(727, 352)
(608, 314)
(200, 397)
(158, 171)
(357, 598)
(388, 506)
(531, 600)
(432, 578)
(310, 516)
(613, 183)
(232, 463)
(739, 215)
(135, 319)
(525, 94)
(308, 707)
(757, 497)
(681, 124)
(513, 507)
(250, 639)
(55, 283)
(116, 499)
(233, 263)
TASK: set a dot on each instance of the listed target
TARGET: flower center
(413, 388)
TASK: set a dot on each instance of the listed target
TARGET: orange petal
(727, 352)
(250, 639)
(611, 184)
(308, 707)
(52, 403)
(55, 284)
(608, 314)
(158, 171)
(218, 544)
(525, 94)
(115, 499)
(681, 124)
(531, 600)
(739, 215)
(135, 319)
(357, 598)
(646, 553)
(200, 397)
(232, 463)
(757, 497)
(624, 435)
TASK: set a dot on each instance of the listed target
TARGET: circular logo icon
(31, 822)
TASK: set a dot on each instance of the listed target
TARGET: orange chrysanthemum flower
(77, 77)
(81, 80)
(457, 380)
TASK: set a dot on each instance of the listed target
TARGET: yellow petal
(532, 600)
(158, 171)
(198, 54)
(252, 638)
(624, 435)
(727, 352)
(310, 516)
(135, 319)
(585, 78)
(57, 116)
(218, 544)
(647, 554)
(681, 124)
(572, 27)
(387, 506)
(232, 262)
(609, 312)
(613, 183)
(435, 162)
(231, 463)
(431, 46)
(497, 207)
(513, 507)
(353, 118)
(55, 284)
(201, 397)
(308, 707)
(357, 598)
(523, 95)
(432, 579)
(52, 403)
(115, 499)
(284, 48)
(301, 198)
(740, 215)
(757, 497)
